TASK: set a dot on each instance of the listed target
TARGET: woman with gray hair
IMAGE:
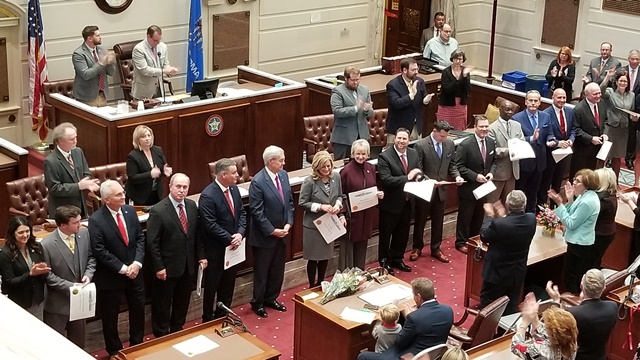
(456, 84)
(606, 222)
(357, 175)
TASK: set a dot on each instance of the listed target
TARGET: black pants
(268, 273)
(631, 141)
(170, 303)
(601, 245)
(219, 284)
(469, 221)
(490, 292)
(341, 151)
(578, 260)
(435, 210)
(394, 233)
(109, 300)
(552, 176)
(529, 183)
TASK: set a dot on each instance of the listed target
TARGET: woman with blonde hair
(562, 72)
(146, 165)
(606, 223)
(321, 193)
(455, 353)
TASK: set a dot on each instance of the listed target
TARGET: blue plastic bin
(514, 80)
(537, 82)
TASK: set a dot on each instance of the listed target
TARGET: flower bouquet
(548, 219)
(343, 284)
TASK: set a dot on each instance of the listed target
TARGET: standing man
(590, 116)
(396, 166)
(150, 61)
(351, 105)
(117, 242)
(406, 94)
(67, 251)
(598, 66)
(564, 133)
(223, 223)
(436, 160)
(92, 63)
(507, 171)
(440, 48)
(537, 132)
(509, 238)
(66, 172)
(634, 85)
(476, 161)
(434, 31)
(271, 205)
(173, 247)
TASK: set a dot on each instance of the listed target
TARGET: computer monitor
(206, 88)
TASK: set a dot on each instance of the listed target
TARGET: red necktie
(183, 217)
(595, 114)
(563, 128)
(226, 194)
(123, 231)
(279, 189)
(404, 163)
(101, 81)
(484, 151)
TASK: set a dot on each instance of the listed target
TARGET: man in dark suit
(173, 246)
(424, 327)
(590, 116)
(564, 135)
(397, 165)
(351, 105)
(476, 161)
(537, 132)
(117, 242)
(406, 94)
(595, 318)
(67, 251)
(436, 160)
(66, 172)
(509, 238)
(598, 66)
(433, 31)
(223, 221)
(271, 205)
(634, 85)
(92, 63)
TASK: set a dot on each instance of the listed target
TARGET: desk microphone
(164, 94)
(226, 309)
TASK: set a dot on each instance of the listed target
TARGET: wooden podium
(618, 347)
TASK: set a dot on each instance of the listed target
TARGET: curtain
(450, 10)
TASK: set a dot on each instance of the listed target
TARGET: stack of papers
(387, 295)
(361, 316)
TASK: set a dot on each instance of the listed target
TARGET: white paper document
(363, 199)
(560, 153)
(243, 192)
(604, 150)
(421, 189)
(330, 227)
(235, 257)
(387, 295)
(484, 190)
(520, 149)
(296, 180)
(196, 346)
(199, 281)
(82, 301)
(361, 316)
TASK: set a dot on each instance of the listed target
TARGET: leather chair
(484, 325)
(244, 175)
(611, 283)
(117, 172)
(377, 123)
(317, 132)
(499, 101)
(125, 67)
(64, 87)
(28, 198)
(432, 353)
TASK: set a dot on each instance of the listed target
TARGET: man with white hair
(589, 116)
(509, 238)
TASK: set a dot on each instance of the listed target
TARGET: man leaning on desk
(149, 63)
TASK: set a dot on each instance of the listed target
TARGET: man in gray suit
(434, 31)
(507, 171)
(598, 66)
(150, 61)
(351, 105)
(66, 172)
(92, 63)
(68, 252)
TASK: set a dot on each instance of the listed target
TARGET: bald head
(559, 98)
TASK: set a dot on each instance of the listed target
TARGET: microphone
(164, 94)
(634, 266)
(222, 306)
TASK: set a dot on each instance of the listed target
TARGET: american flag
(37, 70)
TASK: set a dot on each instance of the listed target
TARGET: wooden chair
(244, 175)
(64, 87)
(484, 325)
(377, 127)
(117, 172)
(28, 198)
(125, 67)
(317, 134)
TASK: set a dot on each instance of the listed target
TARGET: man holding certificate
(223, 221)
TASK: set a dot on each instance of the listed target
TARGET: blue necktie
(534, 122)
(439, 150)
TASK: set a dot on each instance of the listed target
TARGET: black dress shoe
(629, 164)
(385, 265)
(260, 311)
(400, 265)
(275, 305)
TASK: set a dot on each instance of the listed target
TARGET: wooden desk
(240, 346)
(544, 262)
(320, 333)
(13, 165)
(496, 349)
(620, 334)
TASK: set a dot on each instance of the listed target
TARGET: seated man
(425, 327)
(595, 317)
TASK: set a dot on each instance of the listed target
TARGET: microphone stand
(631, 270)
(164, 93)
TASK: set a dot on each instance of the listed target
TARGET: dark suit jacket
(268, 212)
(469, 162)
(403, 111)
(62, 181)
(563, 80)
(21, 288)
(606, 222)
(509, 239)
(586, 128)
(595, 319)
(139, 181)
(216, 221)
(67, 268)
(452, 87)
(539, 146)
(393, 178)
(168, 245)
(109, 248)
(595, 63)
(434, 167)
(570, 130)
(427, 326)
